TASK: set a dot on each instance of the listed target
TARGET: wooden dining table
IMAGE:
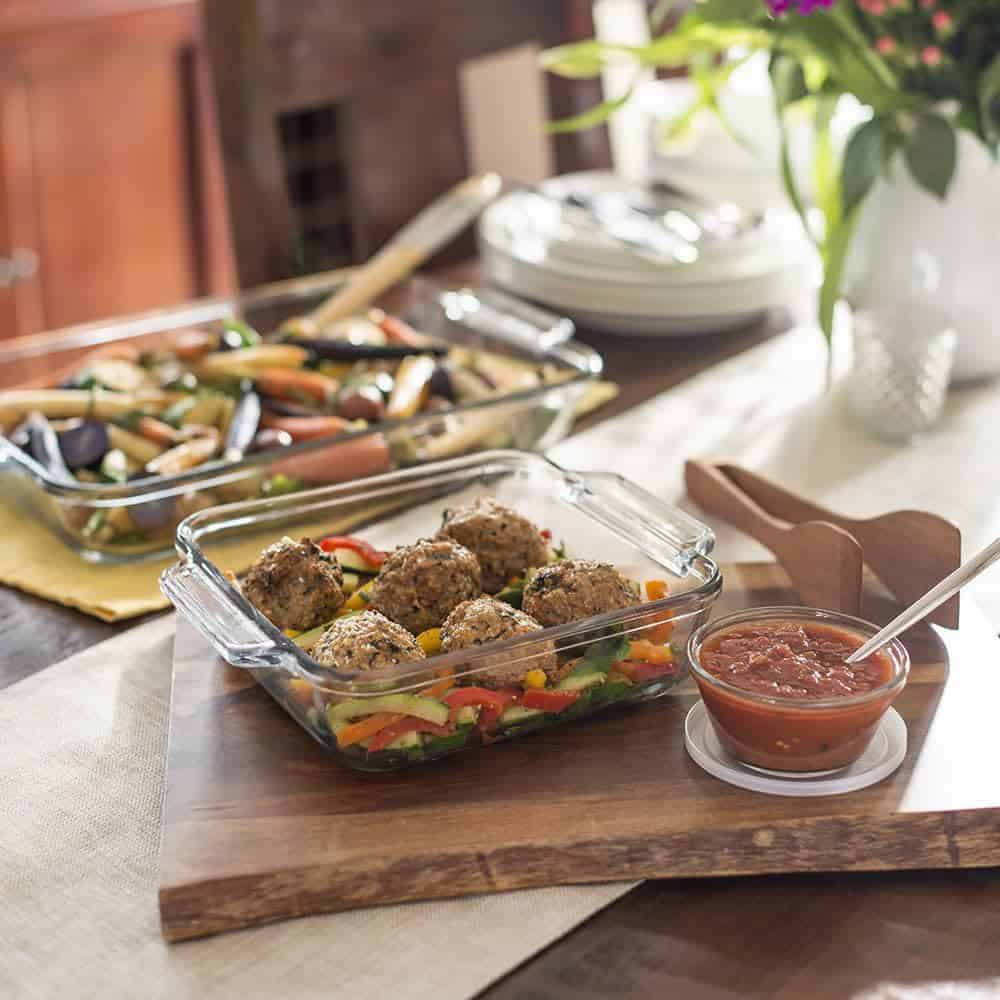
(806, 937)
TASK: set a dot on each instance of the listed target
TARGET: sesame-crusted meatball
(484, 620)
(577, 588)
(368, 641)
(295, 584)
(420, 584)
(505, 543)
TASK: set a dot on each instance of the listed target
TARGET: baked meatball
(295, 584)
(577, 588)
(475, 623)
(505, 543)
(368, 641)
(419, 585)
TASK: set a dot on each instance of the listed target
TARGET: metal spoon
(934, 597)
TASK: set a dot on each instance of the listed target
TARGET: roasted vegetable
(343, 350)
(247, 361)
(412, 387)
(44, 447)
(242, 427)
(187, 455)
(85, 444)
(138, 447)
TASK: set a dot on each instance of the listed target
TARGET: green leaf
(825, 178)
(583, 60)
(788, 79)
(931, 152)
(601, 655)
(835, 247)
(862, 162)
(989, 101)
(597, 115)
(723, 11)
(660, 13)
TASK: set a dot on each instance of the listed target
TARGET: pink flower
(942, 21)
(886, 45)
(779, 7)
(874, 7)
(928, 4)
(931, 56)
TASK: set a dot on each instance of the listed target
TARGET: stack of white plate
(536, 246)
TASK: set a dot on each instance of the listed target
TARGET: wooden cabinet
(111, 197)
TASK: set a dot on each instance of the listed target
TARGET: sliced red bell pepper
(639, 671)
(490, 703)
(549, 701)
(408, 724)
(371, 555)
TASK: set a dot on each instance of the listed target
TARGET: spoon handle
(934, 597)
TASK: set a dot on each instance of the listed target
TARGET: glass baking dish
(594, 515)
(128, 522)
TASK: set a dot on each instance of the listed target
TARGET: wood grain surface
(260, 823)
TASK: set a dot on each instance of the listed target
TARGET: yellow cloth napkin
(34, 560)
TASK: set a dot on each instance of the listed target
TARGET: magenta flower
(779, 7)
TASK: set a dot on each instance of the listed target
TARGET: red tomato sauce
(793, 660)
(797, 664)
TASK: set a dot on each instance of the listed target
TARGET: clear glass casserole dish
(108, 522)
(595, 515)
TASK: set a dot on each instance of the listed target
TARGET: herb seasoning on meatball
(505, 543)
(295, 584)
(419, 585)
(577, 588)
(366, 641)
(475, 623)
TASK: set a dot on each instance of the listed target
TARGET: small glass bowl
(776, 734)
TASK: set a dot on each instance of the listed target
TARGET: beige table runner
(81, 784)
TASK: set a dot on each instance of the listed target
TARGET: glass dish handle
(676, 538)
(204, 601)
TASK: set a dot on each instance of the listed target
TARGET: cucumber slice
(443, 744)
(405, 742)
(353, 563)
(579, 682)
(518, 713)
(351, 583)
(467, 715)
(427, 709)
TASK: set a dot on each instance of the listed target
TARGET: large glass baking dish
(145, 514)
(596, 515)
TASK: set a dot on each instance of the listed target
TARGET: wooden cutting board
(261, 824)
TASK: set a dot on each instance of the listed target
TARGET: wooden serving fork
(823, 561)
(908, 550)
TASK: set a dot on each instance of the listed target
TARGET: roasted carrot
(369, 726)
(192, 345)
(338, 461)
(398, 332)
(437, 689)
(305, 428)
(293, 383)
(156, 430)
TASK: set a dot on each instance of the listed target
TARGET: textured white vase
(912, 248)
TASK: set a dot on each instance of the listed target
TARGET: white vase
(912, 248)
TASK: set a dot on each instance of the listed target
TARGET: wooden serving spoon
(908, 550)
(824, 562)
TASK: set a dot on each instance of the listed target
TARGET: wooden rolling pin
(440, 222)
